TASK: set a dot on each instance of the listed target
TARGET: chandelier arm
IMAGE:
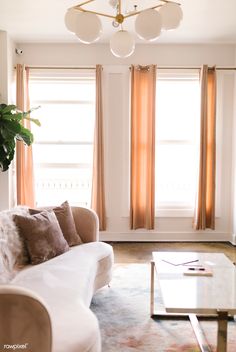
(83, 3)
(79, 8)
(119, 6)
(95, 12)
(171, 2)
(138, 12)
(150, 8)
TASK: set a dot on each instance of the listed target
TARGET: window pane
(176, 175)
(177, 109)
(67, 122)
(63, 148)
(62, 90)
(65, 154)
(177, 140)
(55, 185)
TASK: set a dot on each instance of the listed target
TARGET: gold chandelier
(149, 23)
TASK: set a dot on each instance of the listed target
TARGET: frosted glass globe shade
(122, 44)
(171, 15)
(113, 3)
(88, 27)
(71, 19)
(148, 24)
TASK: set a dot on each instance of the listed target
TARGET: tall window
(177, 138)
(63, 145)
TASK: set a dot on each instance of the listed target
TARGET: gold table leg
(222, 331)
(152, 289)
(199, 333)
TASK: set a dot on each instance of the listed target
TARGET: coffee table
(196, 296)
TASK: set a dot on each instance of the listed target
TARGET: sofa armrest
(87, 224)
(24, 320)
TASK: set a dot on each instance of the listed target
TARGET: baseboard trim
(233, 240)
(151, 236)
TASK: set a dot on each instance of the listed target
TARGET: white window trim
(179, 210)
(58, 76)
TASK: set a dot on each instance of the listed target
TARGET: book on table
(197, 270)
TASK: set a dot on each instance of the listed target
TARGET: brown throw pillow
(43, 236)
(66, 222)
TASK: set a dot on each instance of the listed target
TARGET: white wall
(234, 165)
(165, 55)
(116, 114)
(6, 79)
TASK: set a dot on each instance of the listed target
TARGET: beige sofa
(45, 307)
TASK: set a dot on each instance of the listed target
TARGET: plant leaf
(5, 159)
(2, 106)
(9, 146)
(8, 108)
(36, 121)
(26, 113)
(13, 126)
(25, 135)
(13, 117)
(6, 134)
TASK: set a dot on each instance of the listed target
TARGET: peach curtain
(142, 181)
(205, 205)
(98, 188)
(24, 157)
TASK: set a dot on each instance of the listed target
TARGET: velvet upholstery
(66, 221)
(43, 236)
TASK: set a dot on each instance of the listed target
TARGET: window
(177, 141)
(63, 146)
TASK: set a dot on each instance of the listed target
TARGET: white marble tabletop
(196, 294)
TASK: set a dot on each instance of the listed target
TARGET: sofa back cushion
(66, 222)
(43, 236)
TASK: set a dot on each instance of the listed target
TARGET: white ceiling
(204, 21)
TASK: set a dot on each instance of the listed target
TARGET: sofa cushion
(66, 284)
(43, 235)
(66, 222)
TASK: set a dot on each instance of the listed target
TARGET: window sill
(174, 213)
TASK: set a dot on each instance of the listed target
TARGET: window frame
(71, 76)
(175, 209)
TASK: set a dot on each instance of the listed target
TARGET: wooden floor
(141, 252)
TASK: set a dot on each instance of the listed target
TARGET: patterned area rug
(123, 314)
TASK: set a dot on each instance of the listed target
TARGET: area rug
(123, 314)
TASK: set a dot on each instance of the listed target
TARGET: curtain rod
(159, 68)
(60, 67)
(190, 67)
(193, 68)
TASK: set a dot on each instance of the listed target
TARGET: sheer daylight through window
(63, 147)
(177, 140)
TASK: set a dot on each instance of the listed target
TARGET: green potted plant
(11, 129)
